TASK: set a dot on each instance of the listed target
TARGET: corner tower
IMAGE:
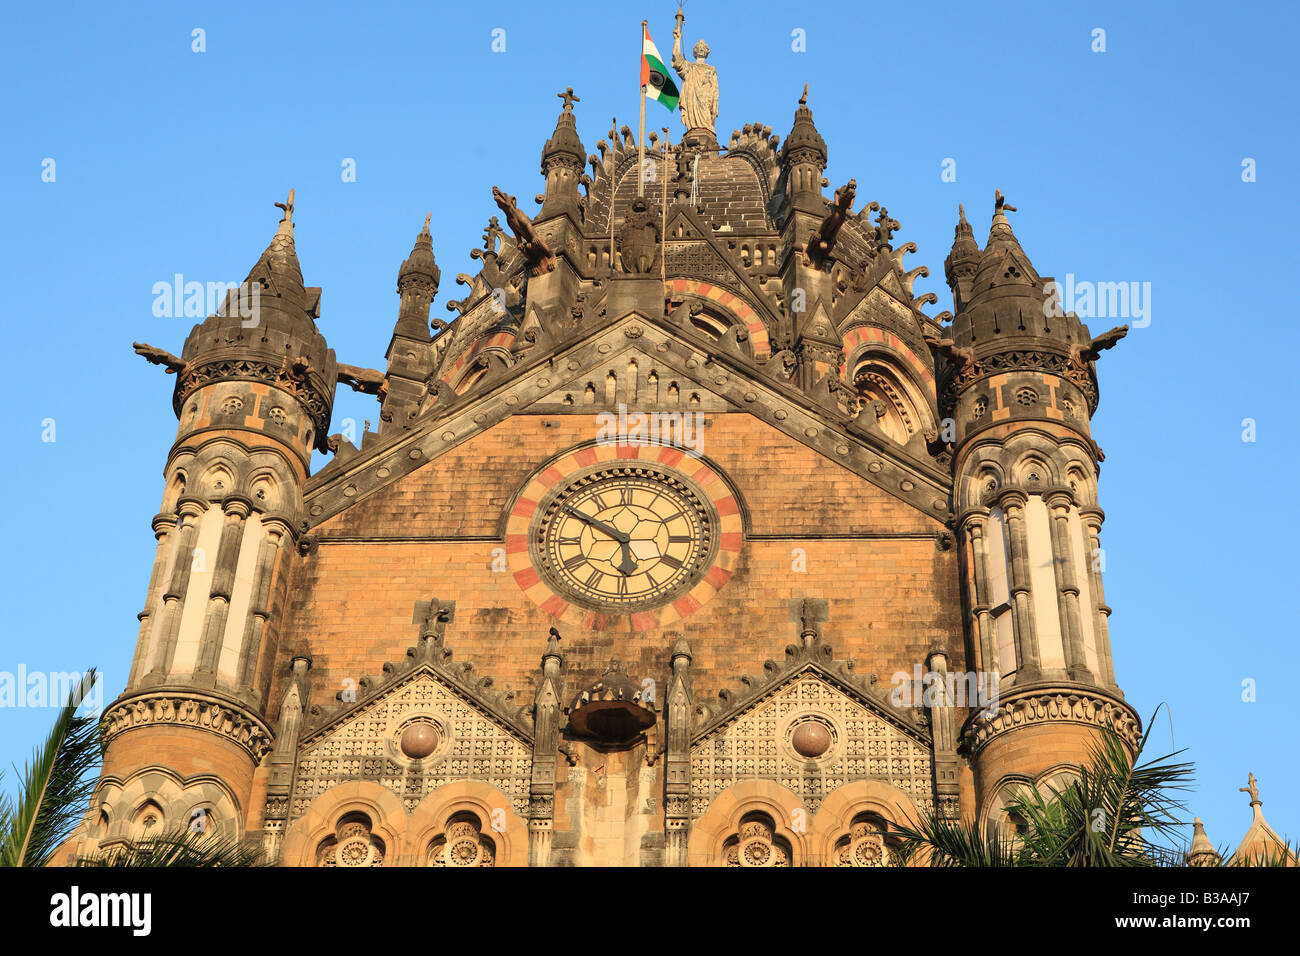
(1019, 379)
(254, 389)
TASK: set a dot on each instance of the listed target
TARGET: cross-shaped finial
(803, 100)
(1000, 203)
(569, 99)
(287, 206)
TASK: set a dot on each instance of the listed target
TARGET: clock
(625, 538)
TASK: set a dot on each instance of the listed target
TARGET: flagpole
(663, 227)
(640, 176)
(613, 191)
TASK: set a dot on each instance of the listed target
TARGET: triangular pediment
(806, 723)
(726, 380)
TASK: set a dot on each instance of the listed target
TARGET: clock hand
(613, 532)
(627, 564)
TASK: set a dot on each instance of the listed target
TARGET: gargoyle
(162, 357)
(957, 357)
(367, 381)
(1090, 352)
(536, 253)
(822, 242)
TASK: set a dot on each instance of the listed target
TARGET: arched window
(864, 844)
(352, 844)
(462, 844)
(755, 843)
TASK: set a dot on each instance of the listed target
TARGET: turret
(254, 388)
(563, 159)
(803, 160)
(410, 353)
(1019, 378)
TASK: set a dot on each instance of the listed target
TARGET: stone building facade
(654, 552)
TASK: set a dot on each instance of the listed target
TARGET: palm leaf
(177, 848)
(54, 786)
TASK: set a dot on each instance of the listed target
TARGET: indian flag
(654, 75)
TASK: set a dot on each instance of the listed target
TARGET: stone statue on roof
(699, 96)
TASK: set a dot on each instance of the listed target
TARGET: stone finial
(287, 206)
(1000, 204)
(569, 99)
(1252, 788)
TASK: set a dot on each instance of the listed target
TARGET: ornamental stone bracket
(1077, 706)
(186, 708)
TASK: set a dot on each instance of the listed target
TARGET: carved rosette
(1076, 707)
(187, 709)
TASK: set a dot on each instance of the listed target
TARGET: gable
(758, 743)
(364, 745)
(729, 380)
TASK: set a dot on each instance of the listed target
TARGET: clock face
(625, 538)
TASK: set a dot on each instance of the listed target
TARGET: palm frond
(177, 848)
(54, 786)
(937, 841)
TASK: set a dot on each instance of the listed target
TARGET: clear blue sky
(1125, 166)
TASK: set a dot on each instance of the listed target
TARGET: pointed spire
(959, 268)
(804, 144)
(279, 263)
(565, 146)
(1201, 852)
(552, 647)
(421, 261)
(1000, 233)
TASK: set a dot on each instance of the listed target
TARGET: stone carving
(353, 844)
(752, 735)
(863, 845)
(536, 252)
(193, 710)
(638, 244)
(1077, 707)
(885, 228)
(822, 243)
(755, 844)
(290, 377)
(463, 844)
(1099, 344)
(699, 97)
(367, 381)
(156, 356)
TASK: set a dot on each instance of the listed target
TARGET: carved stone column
(943, 734)
(1092, 519)
(974, 527)
(173, 602)
(677, 765)
(1059, 501)
(546, 746)
(163, 525)
(237, 509)
(284, 758)
(277, 533)
(1028, 666)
